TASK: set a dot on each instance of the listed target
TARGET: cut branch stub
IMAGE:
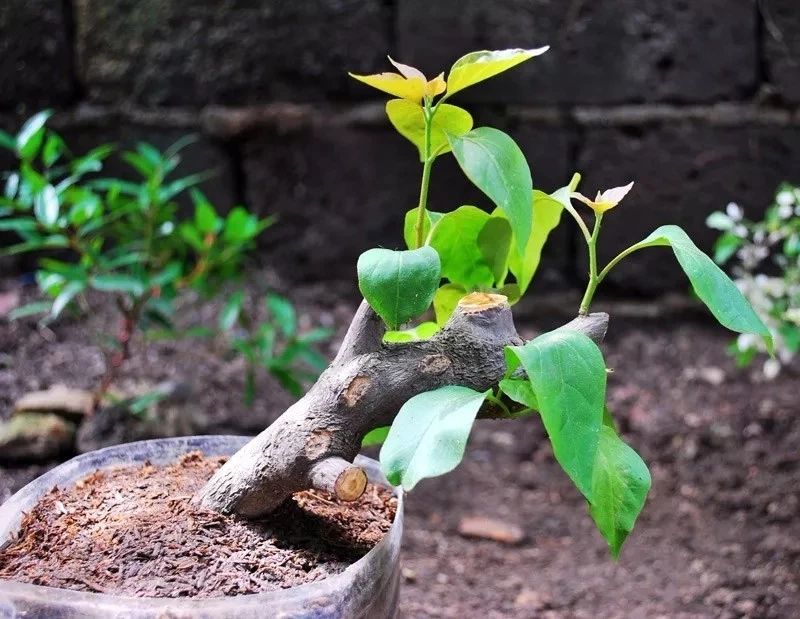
(313, 442)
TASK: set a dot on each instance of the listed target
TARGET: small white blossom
(785, 198)
(740, 231)
(772, 367)
(785, 211)
(734, 211)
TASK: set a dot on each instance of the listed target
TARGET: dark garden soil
(134, 531)
(719, 536)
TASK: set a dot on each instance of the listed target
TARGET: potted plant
(418, 386)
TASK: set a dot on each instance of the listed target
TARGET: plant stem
(594, 279)
(419, 227)
(616, 260)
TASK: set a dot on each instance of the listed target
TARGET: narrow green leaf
(455, 238)
(230, 312)
(205, 216)
(375, 437)
(70, 291)
(568, 375)
(399, 285)
(429, 435)
(445, 301)
(19, 224)
(496, 165)
(29, 138)
(46, 206)
(710, 283)
(409, 120)
(620, 485)
(117, 282)
(30, 309)
(167, 275)
(478, 66)
(283, 312)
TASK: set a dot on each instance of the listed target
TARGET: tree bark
(311, 444)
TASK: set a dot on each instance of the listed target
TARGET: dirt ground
(719, 536)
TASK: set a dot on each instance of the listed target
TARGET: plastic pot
(368, 588)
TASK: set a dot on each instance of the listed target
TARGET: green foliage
(568, 377)
(273, 344)
(764, 258)
(399, 285)
(130, 240)
(711, 285)
(496, 165)
(620, 483)
(429, 435)
(478, 66)
(409, 120)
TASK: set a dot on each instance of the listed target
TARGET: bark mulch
(134, 531)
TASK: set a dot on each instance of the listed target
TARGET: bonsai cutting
(418, 385)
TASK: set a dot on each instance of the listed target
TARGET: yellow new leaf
(478, 66)
(605, 200)
(395, 84)
(409, 120)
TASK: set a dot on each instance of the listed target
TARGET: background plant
(128, 239)
(764, 258)
(560, 375)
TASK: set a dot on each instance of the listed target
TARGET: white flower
(746, 341)
(605, 200)
(734, 211)
(772, 367)
(785, 211)
(740, 231)
(785, 198)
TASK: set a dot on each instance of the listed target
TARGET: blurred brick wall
(696, 100)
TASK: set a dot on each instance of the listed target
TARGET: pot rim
(216, 445)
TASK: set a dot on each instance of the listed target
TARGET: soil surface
(719, 536)
(134, 531)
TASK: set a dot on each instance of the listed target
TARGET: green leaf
(494, 243)
(620, 485)
(409, 234)
(30, 309)
(422, 331)
(12, 185)
(568, 375)
(375, 437)
(455, 237)
(167, 275)
(429, 434)
(46, 206)
(408, 118)
(230, 312)
(205, 217)
(478, 66)
(69, 292)
(399, 285)
(521, 391)
(240, 226)
(116, 282)
(496, 165)
(546, 210)
(445, 301)
(283, 312)
(726, 246)
(19, 224)
(29, 138)
(711, 285)
(54, 147)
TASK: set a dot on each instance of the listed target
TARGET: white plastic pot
(368, 588)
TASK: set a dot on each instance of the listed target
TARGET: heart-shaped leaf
(496, 165)
(429, 434)
(399, 285)
(409, 120)
(478, 66)
(494, 243)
